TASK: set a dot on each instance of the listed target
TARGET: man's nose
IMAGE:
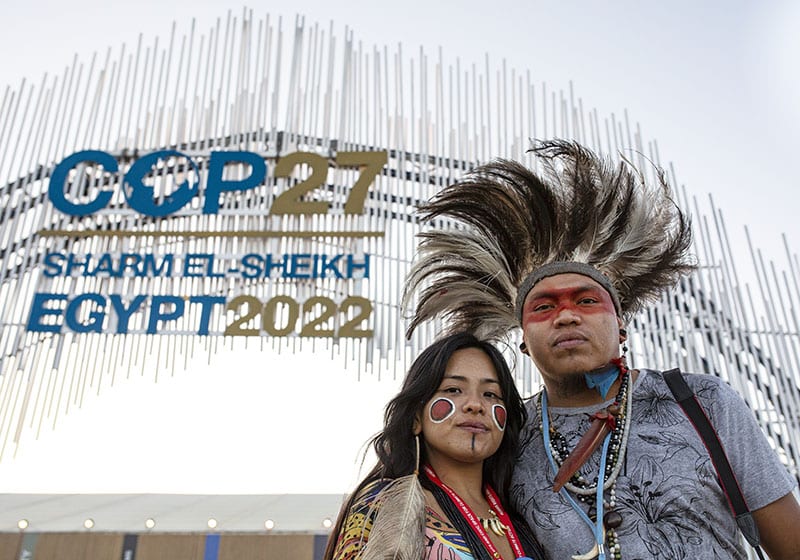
(567, 315)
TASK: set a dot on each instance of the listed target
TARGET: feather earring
(397, 532)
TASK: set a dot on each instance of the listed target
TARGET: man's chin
(577, 368)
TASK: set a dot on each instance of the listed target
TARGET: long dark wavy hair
(395, 445)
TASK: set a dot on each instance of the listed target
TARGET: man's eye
(588, 300)
(543, 307)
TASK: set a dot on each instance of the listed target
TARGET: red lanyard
(473, 520)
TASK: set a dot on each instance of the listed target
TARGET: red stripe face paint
(441, 409)
(499, 416)
(582, 300)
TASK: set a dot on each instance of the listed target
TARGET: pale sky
(715, 83)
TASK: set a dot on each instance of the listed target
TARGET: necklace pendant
(595, 552)
(602, 424)
(494, 524)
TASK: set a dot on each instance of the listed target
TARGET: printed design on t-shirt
(663, 426)
(667, 445)
(653, 508)
(537, 505)
(654, 403)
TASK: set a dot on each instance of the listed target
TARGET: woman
(445, 457)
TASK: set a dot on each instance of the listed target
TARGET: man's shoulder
(696, 381)
(711, 390)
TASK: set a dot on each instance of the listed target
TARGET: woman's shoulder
(358, 520)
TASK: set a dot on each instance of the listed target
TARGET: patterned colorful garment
(442, 541)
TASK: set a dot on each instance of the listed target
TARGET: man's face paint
(499, 416)
(584, 299)
(441, 409)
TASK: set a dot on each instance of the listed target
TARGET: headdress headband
(510, 227)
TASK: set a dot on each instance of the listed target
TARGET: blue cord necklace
(596, 528)
(607, 474)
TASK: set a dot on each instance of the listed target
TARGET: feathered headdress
(513, 227)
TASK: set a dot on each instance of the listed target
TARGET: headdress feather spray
(505, 222)
(399, 527)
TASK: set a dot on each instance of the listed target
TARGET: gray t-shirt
(667, 493)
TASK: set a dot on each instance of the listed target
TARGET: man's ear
(623, 333)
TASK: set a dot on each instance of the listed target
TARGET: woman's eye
(491, 395)
(452, 390)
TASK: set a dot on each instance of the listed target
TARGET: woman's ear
(417, 425)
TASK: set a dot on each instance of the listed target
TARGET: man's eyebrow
(555, 292)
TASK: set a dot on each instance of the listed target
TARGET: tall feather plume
(505, 221)
(399, 527)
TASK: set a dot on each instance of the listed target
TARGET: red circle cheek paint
(499, 416)
(441, 409)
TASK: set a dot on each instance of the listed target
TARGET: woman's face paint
(499, 416)
(441, 409)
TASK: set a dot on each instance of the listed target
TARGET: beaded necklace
(611, 460)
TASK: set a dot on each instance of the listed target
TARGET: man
(610, 466)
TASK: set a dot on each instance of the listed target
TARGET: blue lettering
(58, 181)
(156, 313)
(191, 265)
(207, 303)
(74, 262)
(330, 265)
(216, 169)
(137, 186)
(251, 265)
(142, 197)
(39, 311)
(87, 312)
(96, 314)
(52, 264)
(297, 263)
(269, 265)
(131, 261)
(210, 268)
(104, 265)
(164, 269)
(353, 265)
(124, 313)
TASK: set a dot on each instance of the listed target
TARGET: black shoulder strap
(686, 399)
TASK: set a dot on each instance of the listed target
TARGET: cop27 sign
(140, 196)
(200, 194)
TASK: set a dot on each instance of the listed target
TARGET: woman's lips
(473, 427)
